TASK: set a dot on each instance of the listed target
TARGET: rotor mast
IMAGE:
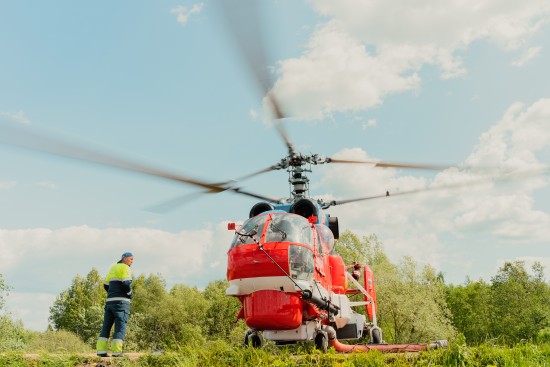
(298, 180)
(298, 165)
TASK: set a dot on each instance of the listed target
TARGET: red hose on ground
(384, 348)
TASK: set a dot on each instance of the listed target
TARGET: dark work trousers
(116, 313)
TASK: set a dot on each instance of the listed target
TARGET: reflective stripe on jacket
(118, 283)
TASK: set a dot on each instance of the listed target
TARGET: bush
(12, 334)
(543, 336)
(236, 336)
(56, 342)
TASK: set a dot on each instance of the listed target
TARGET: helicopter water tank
(260, 208)
(305, 208)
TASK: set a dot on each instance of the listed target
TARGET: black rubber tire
(321, 342)
(376, 336)
(256, 341)
(246, 340)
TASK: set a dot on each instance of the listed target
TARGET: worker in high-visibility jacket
(118, 285)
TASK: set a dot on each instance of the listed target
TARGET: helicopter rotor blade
(29, 140)
(174, 203)
(512, 176)
(286, 138)
(271, 199)
(243, 20)
(40, 142)
(390, 164)
(242, 178)
(257, 173)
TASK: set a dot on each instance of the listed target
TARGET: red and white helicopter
(292, 285)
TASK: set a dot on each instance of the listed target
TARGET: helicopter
(293, 286)
(325, 306)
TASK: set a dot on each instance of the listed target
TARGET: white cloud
(437, 225)
(17, 117)
(337, 73)
(6, 185)
(367, 50)
(47, 185)
(458, 23)
(183, 13)
(32, 307)
(513, 142)
(369, 123)
(527, 56)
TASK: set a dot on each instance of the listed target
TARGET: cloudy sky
(458, 83)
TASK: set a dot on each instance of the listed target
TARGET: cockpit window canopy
(281, 227)
(326, 239)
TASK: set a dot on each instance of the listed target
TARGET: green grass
(222, 354)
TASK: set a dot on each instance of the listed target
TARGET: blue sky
(163, 83)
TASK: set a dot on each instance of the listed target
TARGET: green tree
(148, 290)
(12, 333)
(4, 289)
(142, 332)
(368, 250)
(221, 315)
(79, 309)
(520, 302)
(411, 302)
(165, 320)
(513, 307)
(471, 309)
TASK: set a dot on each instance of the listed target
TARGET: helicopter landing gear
(321, 341)
(376, 335)
(253, 338)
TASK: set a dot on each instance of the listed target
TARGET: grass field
(221, 354)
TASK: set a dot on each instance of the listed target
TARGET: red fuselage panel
(272, 310)
(248, 261)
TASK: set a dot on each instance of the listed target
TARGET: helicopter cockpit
(292, 231)
(289, 228)
(281, 227)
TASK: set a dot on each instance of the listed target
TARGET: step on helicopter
(282, 264)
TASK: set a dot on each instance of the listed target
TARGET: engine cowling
(259, 208)
(305, 208)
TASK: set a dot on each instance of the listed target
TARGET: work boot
(102, 355)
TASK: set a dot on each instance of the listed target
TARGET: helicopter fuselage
(283, 269)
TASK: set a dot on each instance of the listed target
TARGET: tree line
(414, 306)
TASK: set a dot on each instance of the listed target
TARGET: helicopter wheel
(321, 341)
(252, 338)
(376, 337)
